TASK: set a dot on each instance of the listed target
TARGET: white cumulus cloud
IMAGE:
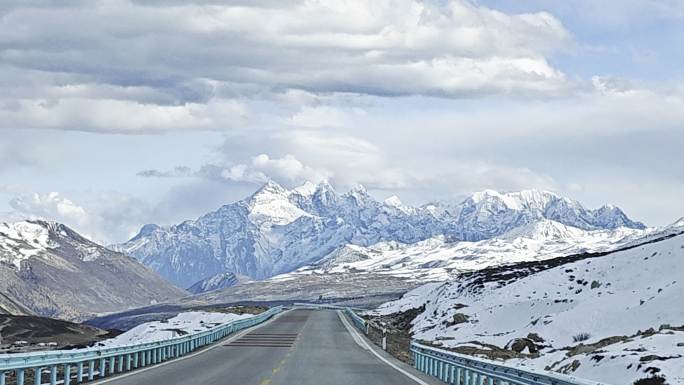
(288, 170)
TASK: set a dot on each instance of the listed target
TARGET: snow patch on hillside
(22, 240)
(180, 325)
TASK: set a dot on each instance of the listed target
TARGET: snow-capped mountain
(277, 230)
(216, 282)
(48, 269)
(489, 213)
(617, 317)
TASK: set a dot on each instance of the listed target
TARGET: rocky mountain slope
(50, 270)
(216, 282)
(9, 307)
(277, 230)
(31, 333)
(617, 317)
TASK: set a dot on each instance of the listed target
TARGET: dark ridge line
(522, 269)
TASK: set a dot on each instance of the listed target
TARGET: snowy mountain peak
(359, 189)
(359, 194)
(147, 230)
(270, 188)
(393, 201)
(307, 189)
(271, 205)
(325, 188)
(325, 185)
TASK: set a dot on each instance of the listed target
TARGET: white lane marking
(217, 344)
(354, 332)
(355, 336)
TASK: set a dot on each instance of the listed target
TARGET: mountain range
(437, 259)
(277, 230)
(47, 269)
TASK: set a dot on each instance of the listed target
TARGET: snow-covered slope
(615, 318)
(438, 259)
(52, 271)
(21, 240)
(180, 325)
(277, 230)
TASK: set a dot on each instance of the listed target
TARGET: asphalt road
(299, 347)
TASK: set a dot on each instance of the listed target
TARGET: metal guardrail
(79, 365)
(359, 322)
(454, 368)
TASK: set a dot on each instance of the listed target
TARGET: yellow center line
(284, 360)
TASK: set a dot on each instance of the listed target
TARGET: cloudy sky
(116, 113)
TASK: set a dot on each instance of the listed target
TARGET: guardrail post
(79, 372)
(112, 361)
(38, 376)
(53, 375)
(103, 367)
(67, 374)
(91, 370)
(120, 361)
(2, 378)
(20, 376)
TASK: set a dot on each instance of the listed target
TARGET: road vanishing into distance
(298, 347)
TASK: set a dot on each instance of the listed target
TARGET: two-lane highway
(297, 348)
